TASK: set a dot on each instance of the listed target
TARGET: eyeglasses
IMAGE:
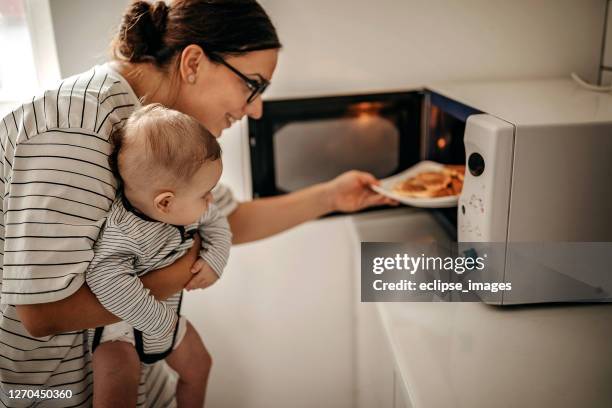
(256, 87)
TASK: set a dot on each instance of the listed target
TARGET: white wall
(361, 45)
(83, 30)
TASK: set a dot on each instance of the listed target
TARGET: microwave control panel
(485, 198)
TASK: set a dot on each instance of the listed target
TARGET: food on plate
(428, 184)
(455, 170)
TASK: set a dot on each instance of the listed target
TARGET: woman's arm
(82, 310)
(264, 217)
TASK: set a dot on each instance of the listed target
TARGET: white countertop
(475, 355)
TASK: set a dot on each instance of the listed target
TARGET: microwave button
(476, 164)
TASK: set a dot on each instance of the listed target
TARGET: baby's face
(191, 202)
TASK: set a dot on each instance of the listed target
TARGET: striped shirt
(57, 190)
(130, 245)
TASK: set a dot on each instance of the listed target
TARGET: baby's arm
(216, 239)
(112, 279)
(216, 242)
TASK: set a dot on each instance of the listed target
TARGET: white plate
(386, 188)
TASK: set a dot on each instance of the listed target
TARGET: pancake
(411, 188)
(429, 184)
(454, 170)
(456, 186)
(433, 180)
(443, 192)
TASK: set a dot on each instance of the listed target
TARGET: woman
(209, 59)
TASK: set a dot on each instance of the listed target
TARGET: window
(18, 77)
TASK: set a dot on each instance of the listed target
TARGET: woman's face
(216, 96)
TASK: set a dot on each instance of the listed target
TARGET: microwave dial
(476, 164)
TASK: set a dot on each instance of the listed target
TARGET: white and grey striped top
(130, 245)
(57, 189)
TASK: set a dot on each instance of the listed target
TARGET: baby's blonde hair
(160, 148)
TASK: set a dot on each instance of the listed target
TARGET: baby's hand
(204, 275)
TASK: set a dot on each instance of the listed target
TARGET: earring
(191, 78)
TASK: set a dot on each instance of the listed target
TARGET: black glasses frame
(256, 87)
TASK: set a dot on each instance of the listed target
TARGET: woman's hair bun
(141, 34)
(157, 33)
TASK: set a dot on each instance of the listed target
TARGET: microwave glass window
(445, 137)
(310, 152)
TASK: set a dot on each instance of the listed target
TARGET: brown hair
(158, 144)
(157, 32)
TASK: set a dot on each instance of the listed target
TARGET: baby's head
(168, 163)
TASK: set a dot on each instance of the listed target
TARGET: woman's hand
(83, 310)
(351, 191)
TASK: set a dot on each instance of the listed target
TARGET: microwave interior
(301, 142)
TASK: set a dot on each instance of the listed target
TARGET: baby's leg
(192, 363)
(116, 372)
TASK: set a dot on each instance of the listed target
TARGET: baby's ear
(163, 201)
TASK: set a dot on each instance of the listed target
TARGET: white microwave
(538, 185)
(538, 155)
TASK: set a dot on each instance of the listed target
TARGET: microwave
(537, 193)
(538, 163)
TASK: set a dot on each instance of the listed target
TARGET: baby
(167, 164)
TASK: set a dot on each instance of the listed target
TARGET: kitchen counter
(475, 355)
